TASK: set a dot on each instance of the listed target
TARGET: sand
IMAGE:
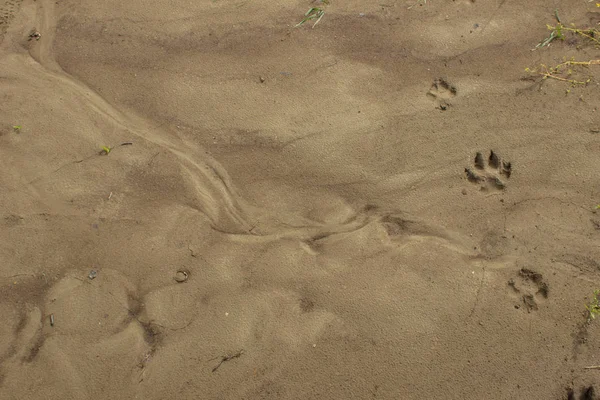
(284, 212)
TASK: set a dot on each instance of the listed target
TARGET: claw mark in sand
(531, 287)
(441, 92)
(488, 173)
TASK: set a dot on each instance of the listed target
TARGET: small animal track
(586, 393)
(306, 305)
(531, 287)
(488, 173)
(441, 92)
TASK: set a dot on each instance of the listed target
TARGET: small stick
(51, 319)
(110, 195)
(592, 367)
(548, 75)
(227, 357)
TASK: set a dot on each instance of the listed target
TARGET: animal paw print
(441, 92)
(531, 287)
(586, 393)
(487, 173)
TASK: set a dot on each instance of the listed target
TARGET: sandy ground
(310, 185)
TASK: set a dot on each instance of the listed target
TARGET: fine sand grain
(296, 212)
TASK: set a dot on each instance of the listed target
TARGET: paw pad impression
(490, 172)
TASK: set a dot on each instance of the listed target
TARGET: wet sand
(289, 215)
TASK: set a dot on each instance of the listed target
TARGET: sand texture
(296, 212)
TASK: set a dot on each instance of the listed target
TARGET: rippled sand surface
(286, 212)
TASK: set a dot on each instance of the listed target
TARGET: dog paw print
(489, 173)
(586, 393)
(530, 287)
(441, 92)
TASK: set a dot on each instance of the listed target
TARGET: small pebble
(92, 274)
(181, 276)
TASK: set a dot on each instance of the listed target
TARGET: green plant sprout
(313, 13)
(555, 34)
(558, 32)
(569, 71)
(17, 128)
(564, 71)
(105, 150)
(594, 307)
